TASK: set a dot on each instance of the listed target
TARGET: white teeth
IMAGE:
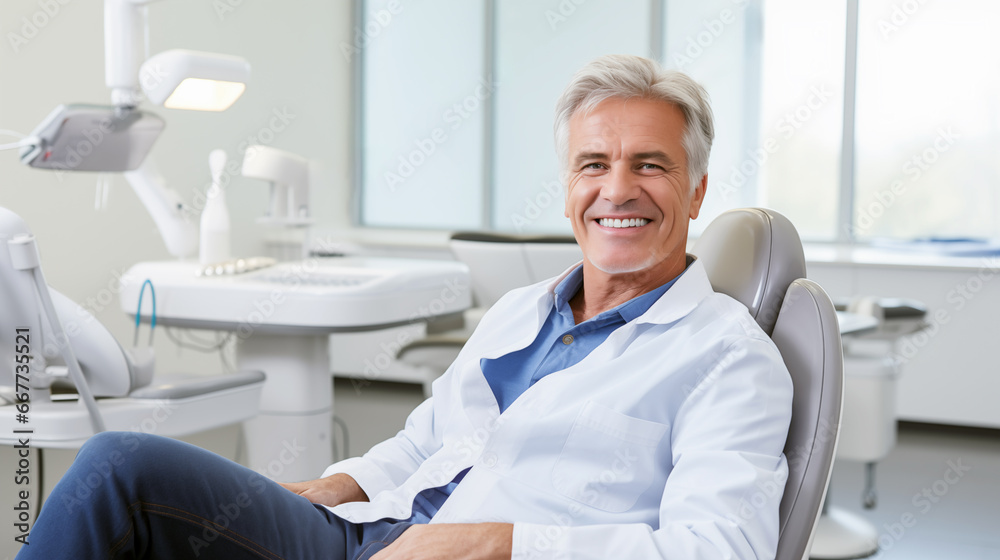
(617, 223)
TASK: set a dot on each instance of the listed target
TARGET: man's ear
(698, 197)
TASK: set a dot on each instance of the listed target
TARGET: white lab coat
(665, 442)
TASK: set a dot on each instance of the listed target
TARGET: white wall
(294, 47)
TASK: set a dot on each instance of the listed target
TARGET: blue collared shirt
(560, 343)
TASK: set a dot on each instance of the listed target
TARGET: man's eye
(594, 166)
(647, 166)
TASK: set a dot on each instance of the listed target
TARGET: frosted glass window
(775, 73)
(928, 119)
(539, 46)
(425, 99)
(802, 113)
(717, 42)
(440, 151)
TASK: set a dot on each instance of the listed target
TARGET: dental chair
(755, 256)
(110, 388)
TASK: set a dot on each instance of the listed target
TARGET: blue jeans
(131, 495)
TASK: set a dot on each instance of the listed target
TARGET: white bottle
(215, 217)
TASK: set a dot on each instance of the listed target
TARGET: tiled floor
(964, 523)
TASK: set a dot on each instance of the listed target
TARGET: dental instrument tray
(236, 266)
(313, 296)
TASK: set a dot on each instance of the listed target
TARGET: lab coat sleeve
(721, 498)
(388, 464)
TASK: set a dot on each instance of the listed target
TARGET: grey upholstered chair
(755, 256)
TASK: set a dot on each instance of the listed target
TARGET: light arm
(125, 46)
(179, 231)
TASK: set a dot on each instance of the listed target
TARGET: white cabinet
(950, 371)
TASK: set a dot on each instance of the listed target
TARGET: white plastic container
(868, 424)
(214, 246)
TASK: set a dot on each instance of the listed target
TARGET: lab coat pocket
(608, 460)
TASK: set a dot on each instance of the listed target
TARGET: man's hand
(331, 491)
(455, 541)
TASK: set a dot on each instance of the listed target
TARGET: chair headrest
(499, 263)
(752, 255)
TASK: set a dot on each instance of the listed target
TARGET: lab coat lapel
(681, 299)
(481, 406)
(519, 309)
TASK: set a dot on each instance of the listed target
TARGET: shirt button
(568, 339)
(490, 460)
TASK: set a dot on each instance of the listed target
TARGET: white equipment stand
(282, 316)
(868, 422)
(840, 533)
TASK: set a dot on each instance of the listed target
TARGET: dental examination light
(118, 138)
(182, 79)
(176, 79)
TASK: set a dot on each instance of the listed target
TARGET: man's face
(626, 162)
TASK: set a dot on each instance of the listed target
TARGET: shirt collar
(565, 290)
(568, 286)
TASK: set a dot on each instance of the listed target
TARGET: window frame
(846, 194)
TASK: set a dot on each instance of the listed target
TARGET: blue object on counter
(950, 246)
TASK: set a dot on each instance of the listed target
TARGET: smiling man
(621, 410)
(629, 197)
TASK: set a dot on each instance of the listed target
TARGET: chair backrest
(17, 296)
(106, 367)
(808, 336)
(499, 263)
(755, 256)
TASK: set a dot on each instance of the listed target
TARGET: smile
(627, 223)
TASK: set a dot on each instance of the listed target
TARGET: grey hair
(627, 77)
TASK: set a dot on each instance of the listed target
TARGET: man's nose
(620, 186)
